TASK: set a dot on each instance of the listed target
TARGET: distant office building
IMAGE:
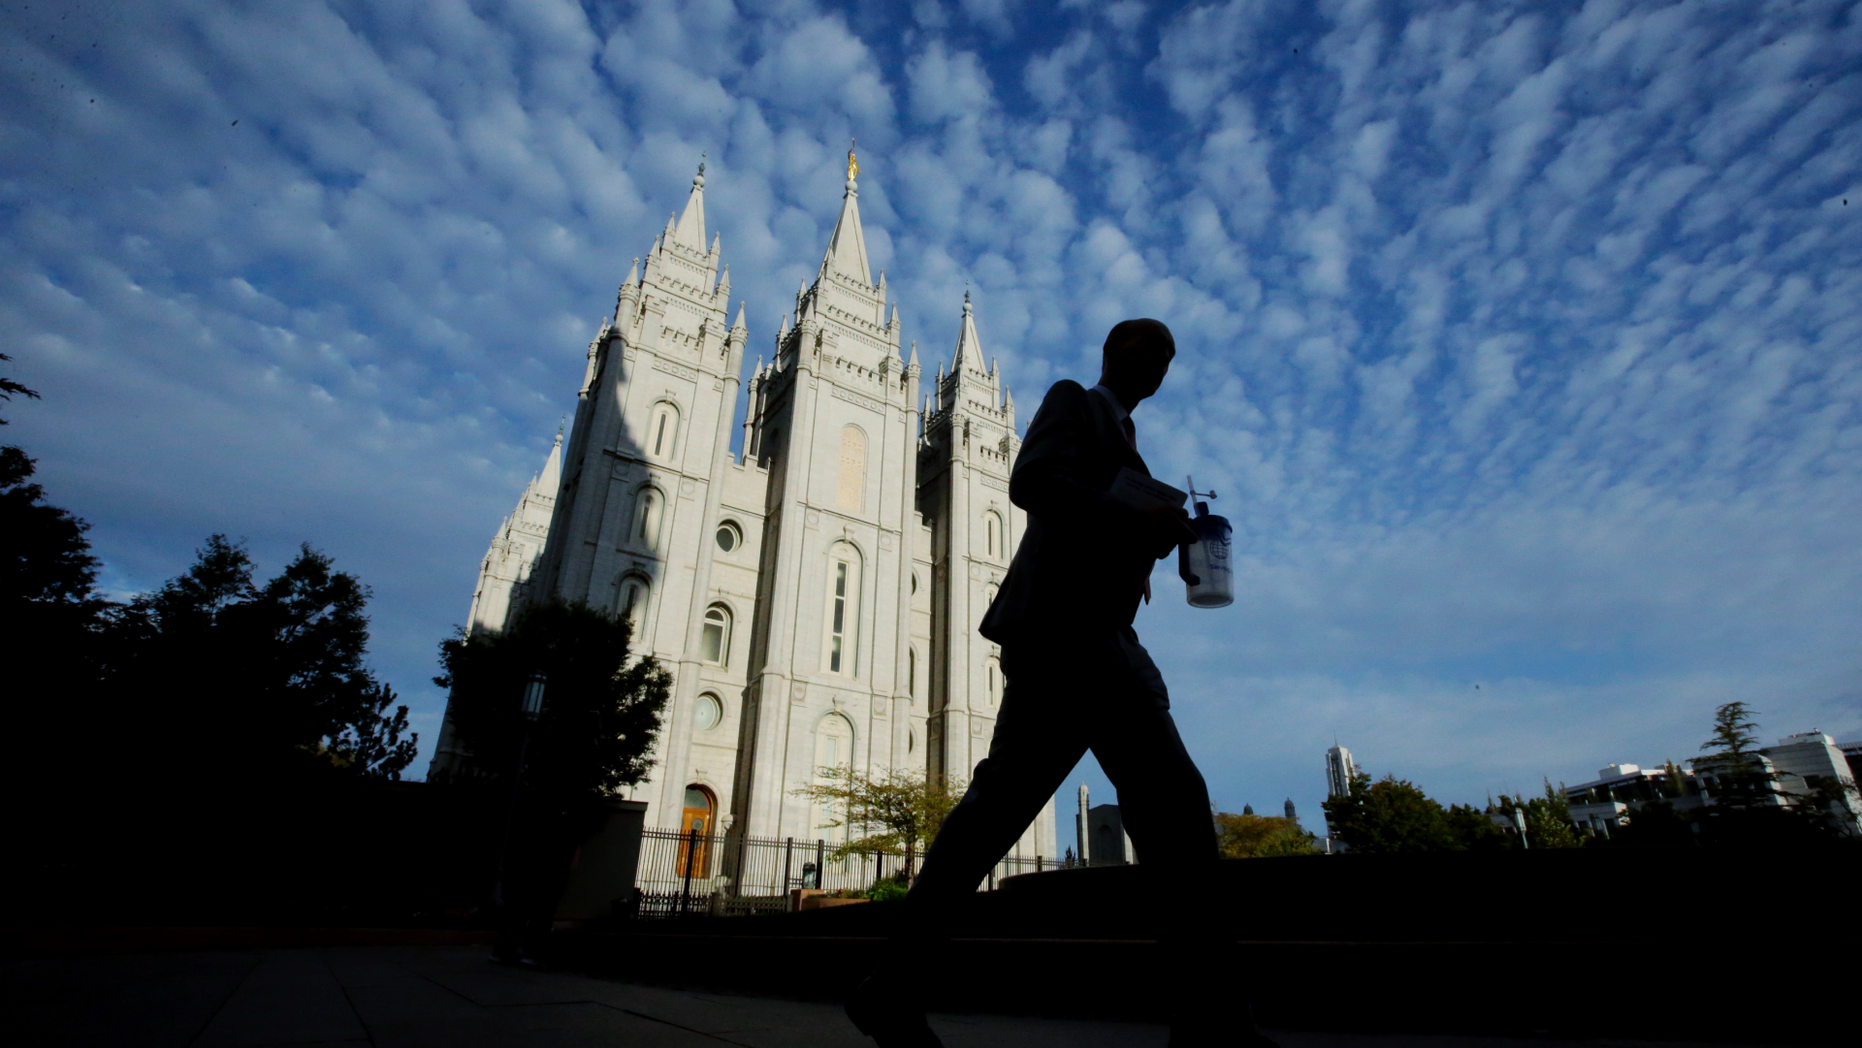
(1799, 764)
(1111, 847)
(1292, 816)
(1852, 755)
(1338, 772)
(1809, 760)
(1101, 833)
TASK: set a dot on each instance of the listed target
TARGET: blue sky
(1522, 342)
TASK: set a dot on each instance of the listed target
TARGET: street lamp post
(510, 936)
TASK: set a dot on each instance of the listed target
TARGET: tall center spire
(847, 248)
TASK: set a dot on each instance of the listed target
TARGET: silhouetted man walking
(1078, 679)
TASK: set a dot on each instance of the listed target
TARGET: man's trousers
(1064, 696)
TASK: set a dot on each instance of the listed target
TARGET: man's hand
(1164, 528)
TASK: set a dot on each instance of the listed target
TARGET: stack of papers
(1140, 492)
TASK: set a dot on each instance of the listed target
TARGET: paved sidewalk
(450, 997)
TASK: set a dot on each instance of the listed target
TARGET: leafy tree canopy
(1251, 836)
(898, 812)
(1731, 753)
(1390, 815)
(601, 712)
(1548, 817)
(8, 387)
(261, 676)
(46, 566)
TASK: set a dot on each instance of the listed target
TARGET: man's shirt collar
(1119, 414)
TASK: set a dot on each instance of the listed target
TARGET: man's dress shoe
(888, 1017)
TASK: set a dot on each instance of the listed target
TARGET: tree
(46, 566)
(1390, 815)
(8, 387)
(1548, 818)
(1751, 809)
(601, 712)
(259, 679)
(1474, 830)
(52, 617)
(898, 812)
(1251, 836)
(1743, 779)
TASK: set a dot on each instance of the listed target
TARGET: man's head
(1137, 355)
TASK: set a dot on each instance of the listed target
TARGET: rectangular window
(837, 631)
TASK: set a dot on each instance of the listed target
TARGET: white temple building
(815, 596)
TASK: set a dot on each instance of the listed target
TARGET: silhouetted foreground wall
(1660, 945)
(339, 854)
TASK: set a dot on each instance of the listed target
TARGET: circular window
(728, 537)
(710, 711)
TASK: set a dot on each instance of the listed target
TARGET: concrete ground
(450, 996)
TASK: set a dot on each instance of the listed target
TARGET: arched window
(911, 672)
(710, 712)
(995, 682)
(649, 507)
(715, 643)
(841, 651)
(631, 601)
(833, 755)
(663, 430)
(992, 525)
(852, 495)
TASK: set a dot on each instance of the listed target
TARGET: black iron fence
(696, 873)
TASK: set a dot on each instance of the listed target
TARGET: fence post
(788, 864)
(1037, 864)
(691, 856)
(821, 863)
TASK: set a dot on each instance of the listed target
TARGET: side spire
(967, 342)
(551, 478)
(847, 247)
(690, 231)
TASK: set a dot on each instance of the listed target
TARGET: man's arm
(1052, 479)
(1049, 478)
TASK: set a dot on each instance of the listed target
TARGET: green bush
(888, 889)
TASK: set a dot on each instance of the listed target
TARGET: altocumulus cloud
(1521, 341)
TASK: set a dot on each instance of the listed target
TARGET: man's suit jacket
(1082, 562)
